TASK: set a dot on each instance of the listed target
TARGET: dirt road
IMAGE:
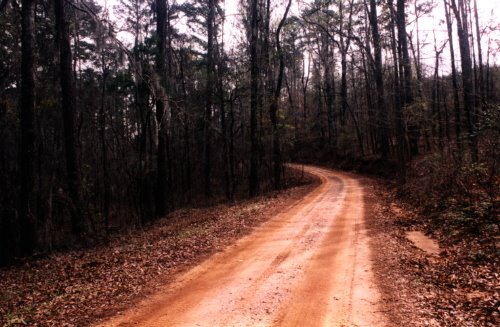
(308, 266)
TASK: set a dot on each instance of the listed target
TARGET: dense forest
(113, 117)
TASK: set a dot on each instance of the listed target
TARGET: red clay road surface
(308, 266)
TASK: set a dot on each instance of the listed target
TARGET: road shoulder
(420, 288)
(83, 287)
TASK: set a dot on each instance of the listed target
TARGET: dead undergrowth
(459, 287)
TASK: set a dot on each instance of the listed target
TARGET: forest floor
(310, 265)
(334, 253)
(423, 283)
(79, 288)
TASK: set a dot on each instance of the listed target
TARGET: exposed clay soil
(79, 288)
(310, 265)
(334, 253)
(423, 242)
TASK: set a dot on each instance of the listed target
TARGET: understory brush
(459, 197)
(456, 199)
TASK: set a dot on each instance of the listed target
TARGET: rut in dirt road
(308, 266)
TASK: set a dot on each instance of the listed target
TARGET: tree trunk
(161, 191)
(330, 106)
(407, 80)
(480, 83)
(27, 126)
(104, 149)
(186, 134)
(273, 108)
(398, 76)
(379, 81)
(231, 149)
(209, 97)
(305, 83)
(223, 125)
(254, 89)
(68, 93)
(344, 48)
(467, 74)
(456, 100)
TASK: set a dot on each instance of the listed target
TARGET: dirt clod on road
(308, 266)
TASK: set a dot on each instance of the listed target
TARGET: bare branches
(330, 31)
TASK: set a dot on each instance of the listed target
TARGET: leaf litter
(79, 288)
(458, 287)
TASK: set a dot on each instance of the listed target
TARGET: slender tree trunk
(292, 109)
(343, 86)
(435, 100)
(398, 76)
(305, 82)
(104, 149)
(417, 54)
(325, 56)
(161, 191)
(480, 83)
(231, 149)
(356, 118)
(273, 108)
(223, 118)
(330, 105)
(489, 81)
(370, 106)
(68, 93)
(407, 83)
(456, 100)
(254, 89)
(223, 124)
(379, 81)
(187, 147)
(467, 74)
(344, 48)
(209, 97)
(27, 126)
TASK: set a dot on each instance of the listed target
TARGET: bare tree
(456, 100)
(273, 108)
(209, 94)
(254, 89)
(27, 125)
(406, 76)
(161, 111)
(379, 81)
(467, 73)
(68, 94)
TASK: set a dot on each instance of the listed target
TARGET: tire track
(308, 266)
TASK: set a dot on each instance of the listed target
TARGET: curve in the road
(308, 266)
